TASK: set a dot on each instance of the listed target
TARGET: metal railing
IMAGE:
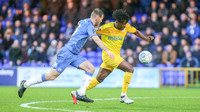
(175, 76)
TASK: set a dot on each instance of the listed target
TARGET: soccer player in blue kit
(69, 55)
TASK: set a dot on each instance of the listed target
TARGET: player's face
(121, 25)
(98, 20)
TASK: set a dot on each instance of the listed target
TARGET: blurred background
(33, 31)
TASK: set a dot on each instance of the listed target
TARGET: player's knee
(131, 70)
(91, 69)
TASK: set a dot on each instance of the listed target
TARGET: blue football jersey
(84, 30)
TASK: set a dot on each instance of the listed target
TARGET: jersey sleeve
(130, 29)
(102, 30)
(91, 31)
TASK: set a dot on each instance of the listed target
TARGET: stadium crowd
(33, 31)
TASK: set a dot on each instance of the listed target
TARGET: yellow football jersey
(112, 37)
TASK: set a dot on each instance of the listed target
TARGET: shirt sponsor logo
(114, 38)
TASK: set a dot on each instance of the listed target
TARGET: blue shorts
(66, 58)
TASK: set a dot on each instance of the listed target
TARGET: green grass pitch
(107, 100)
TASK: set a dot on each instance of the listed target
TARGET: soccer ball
(145, 57)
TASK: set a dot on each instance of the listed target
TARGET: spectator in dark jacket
(15, 54)
(189, 61)
(41, 56)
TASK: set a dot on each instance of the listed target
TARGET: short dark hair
(120, 15)
(96, 12)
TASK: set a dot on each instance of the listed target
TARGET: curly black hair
(120, 15)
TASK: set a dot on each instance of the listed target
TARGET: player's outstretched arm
(147, 38)
(102, 46)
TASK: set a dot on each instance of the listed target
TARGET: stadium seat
(99, 54)
(83, 53)
(91, 54)
(140, 65)
(25, 64)
(160, 65)
(92, 60)
(6, 65)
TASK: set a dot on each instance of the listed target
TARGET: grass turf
(163, 99)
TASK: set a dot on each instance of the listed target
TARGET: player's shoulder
(108, 25)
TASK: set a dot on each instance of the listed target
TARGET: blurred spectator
(165, 36)
(9, 15)
(84, 10)
(32, 51)
(128, 5)
(153, 23)
(52, 49)
(183, 50)
(52, 37)
(174, 37)
(41, 56)
(55, 7)
(24, 51)
(144, 24)
(33, 34)
(192, 5)
(156, 43)
(144, 44)
(169, 56)
(17, 36)
(69, 29)
(137, 52)
(71, 12)
(90, 45)
(185, 36)
(164, 22)
(3, 11)
(193, 29)
(106, 9)
(153, 8)
(130, 57)
(162, 11)
(189, 61)
(134, 22)
(196, 51)
(183, 20)
(62, 38)
(28, 39)
(133, 42)
(15, 54)
(7, 41)
(1, 31)
(2, 54)
(176, 26)
(43, 38)
(174, 9)
(157, 55)
(18, 26)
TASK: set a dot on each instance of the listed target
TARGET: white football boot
(125, 99)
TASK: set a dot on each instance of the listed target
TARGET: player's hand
(150, 38)
(110, 54)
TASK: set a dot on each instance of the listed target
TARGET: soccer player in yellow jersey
(112, 35)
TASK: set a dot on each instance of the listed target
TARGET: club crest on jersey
(114, 38)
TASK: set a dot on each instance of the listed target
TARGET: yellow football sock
(127, 79)
(93, 83)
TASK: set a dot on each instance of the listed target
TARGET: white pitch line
(27, 105)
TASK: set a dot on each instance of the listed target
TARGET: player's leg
(64, 58)
(102, 74)
(89, 69)
(128, 69)
(53, 74)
